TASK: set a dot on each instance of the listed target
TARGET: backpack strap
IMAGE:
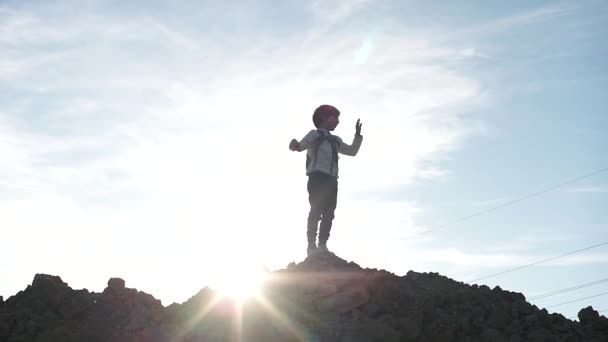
(334, 152)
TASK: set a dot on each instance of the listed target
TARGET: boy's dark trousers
(323, 197)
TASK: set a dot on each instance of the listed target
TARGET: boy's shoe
(312, 249)
(323, 247)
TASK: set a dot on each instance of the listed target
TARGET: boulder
(116, 284)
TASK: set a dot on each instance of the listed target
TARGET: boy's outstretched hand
(294, 145)
(358, 127)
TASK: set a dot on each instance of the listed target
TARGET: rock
(588, 316)
(116, 284)
(516, 297)
(46, 280)
(378, 330)
(540, 335)
(522, 308)
(325, 290)
(532, 319)
(410, 328)
(499, 318)
(492, 335)
(516, 338)
(345, 300)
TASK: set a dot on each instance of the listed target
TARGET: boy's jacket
(323, 149)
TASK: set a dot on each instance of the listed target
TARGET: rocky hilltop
(323, 298)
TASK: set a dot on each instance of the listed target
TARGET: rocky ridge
(323, 298)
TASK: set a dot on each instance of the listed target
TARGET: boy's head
(327, 117)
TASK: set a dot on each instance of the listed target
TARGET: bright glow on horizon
(240, 285)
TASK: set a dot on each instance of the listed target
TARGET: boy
(322, 170)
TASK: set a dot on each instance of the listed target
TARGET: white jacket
(321, 155)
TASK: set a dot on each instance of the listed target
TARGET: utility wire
(523, 198)
(549, 294)
(577, 300)
(538, 262)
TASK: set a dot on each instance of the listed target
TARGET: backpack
(335, 143)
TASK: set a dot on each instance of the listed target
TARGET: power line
(538, 262)
(528, 196)
(523, 198)
(549, 294)
(577, 300)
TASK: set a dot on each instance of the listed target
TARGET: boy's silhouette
(322, 170)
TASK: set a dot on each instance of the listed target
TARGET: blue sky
(149, 140)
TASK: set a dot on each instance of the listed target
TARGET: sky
(149, 140)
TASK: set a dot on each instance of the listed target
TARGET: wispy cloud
(455, 256)
(336, 10)
(152, 128)
(532, 16)
(583, 259)
(486, 203)
(405, 94)
(519, 20)
(598, 189)
(480, 261)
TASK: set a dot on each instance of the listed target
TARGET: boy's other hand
(358, 127)
(294, 145)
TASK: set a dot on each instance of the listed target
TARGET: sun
(241, 284)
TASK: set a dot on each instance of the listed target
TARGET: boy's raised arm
(306, 142)
(351, 150)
